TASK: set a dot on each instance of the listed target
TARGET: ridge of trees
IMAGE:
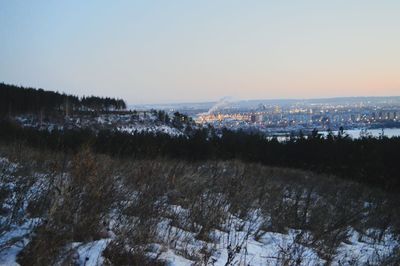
(367, 160)
(18, 100)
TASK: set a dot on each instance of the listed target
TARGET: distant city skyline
(155, 52)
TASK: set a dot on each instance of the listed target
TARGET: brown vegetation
(85, 191)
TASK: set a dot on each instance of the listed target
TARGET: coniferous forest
(369, 160)
(19, 100)
(96, 194)
(373, 161)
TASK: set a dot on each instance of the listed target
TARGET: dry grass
(84, 191)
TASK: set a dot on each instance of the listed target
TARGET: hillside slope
(89, 209)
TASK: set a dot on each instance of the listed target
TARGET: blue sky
(180, 51)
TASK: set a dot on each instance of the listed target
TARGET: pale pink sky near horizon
(192, 51)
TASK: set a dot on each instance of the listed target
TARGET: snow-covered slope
(177, 240)
(143, 122)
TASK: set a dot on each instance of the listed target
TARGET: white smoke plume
(225, 101)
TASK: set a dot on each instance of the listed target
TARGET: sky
(170, 51)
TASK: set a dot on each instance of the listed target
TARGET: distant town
(293, 116)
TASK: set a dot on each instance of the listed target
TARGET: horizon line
(266, 99)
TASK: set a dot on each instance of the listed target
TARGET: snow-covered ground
(144, 122)
(154, 129)
(90, 254)
(236, 241)
(238, 245)
(14, 240)
(15, 227)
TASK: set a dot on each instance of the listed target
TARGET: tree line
(16, 100)
(373, 161)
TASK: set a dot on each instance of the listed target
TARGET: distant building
(256, 118)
